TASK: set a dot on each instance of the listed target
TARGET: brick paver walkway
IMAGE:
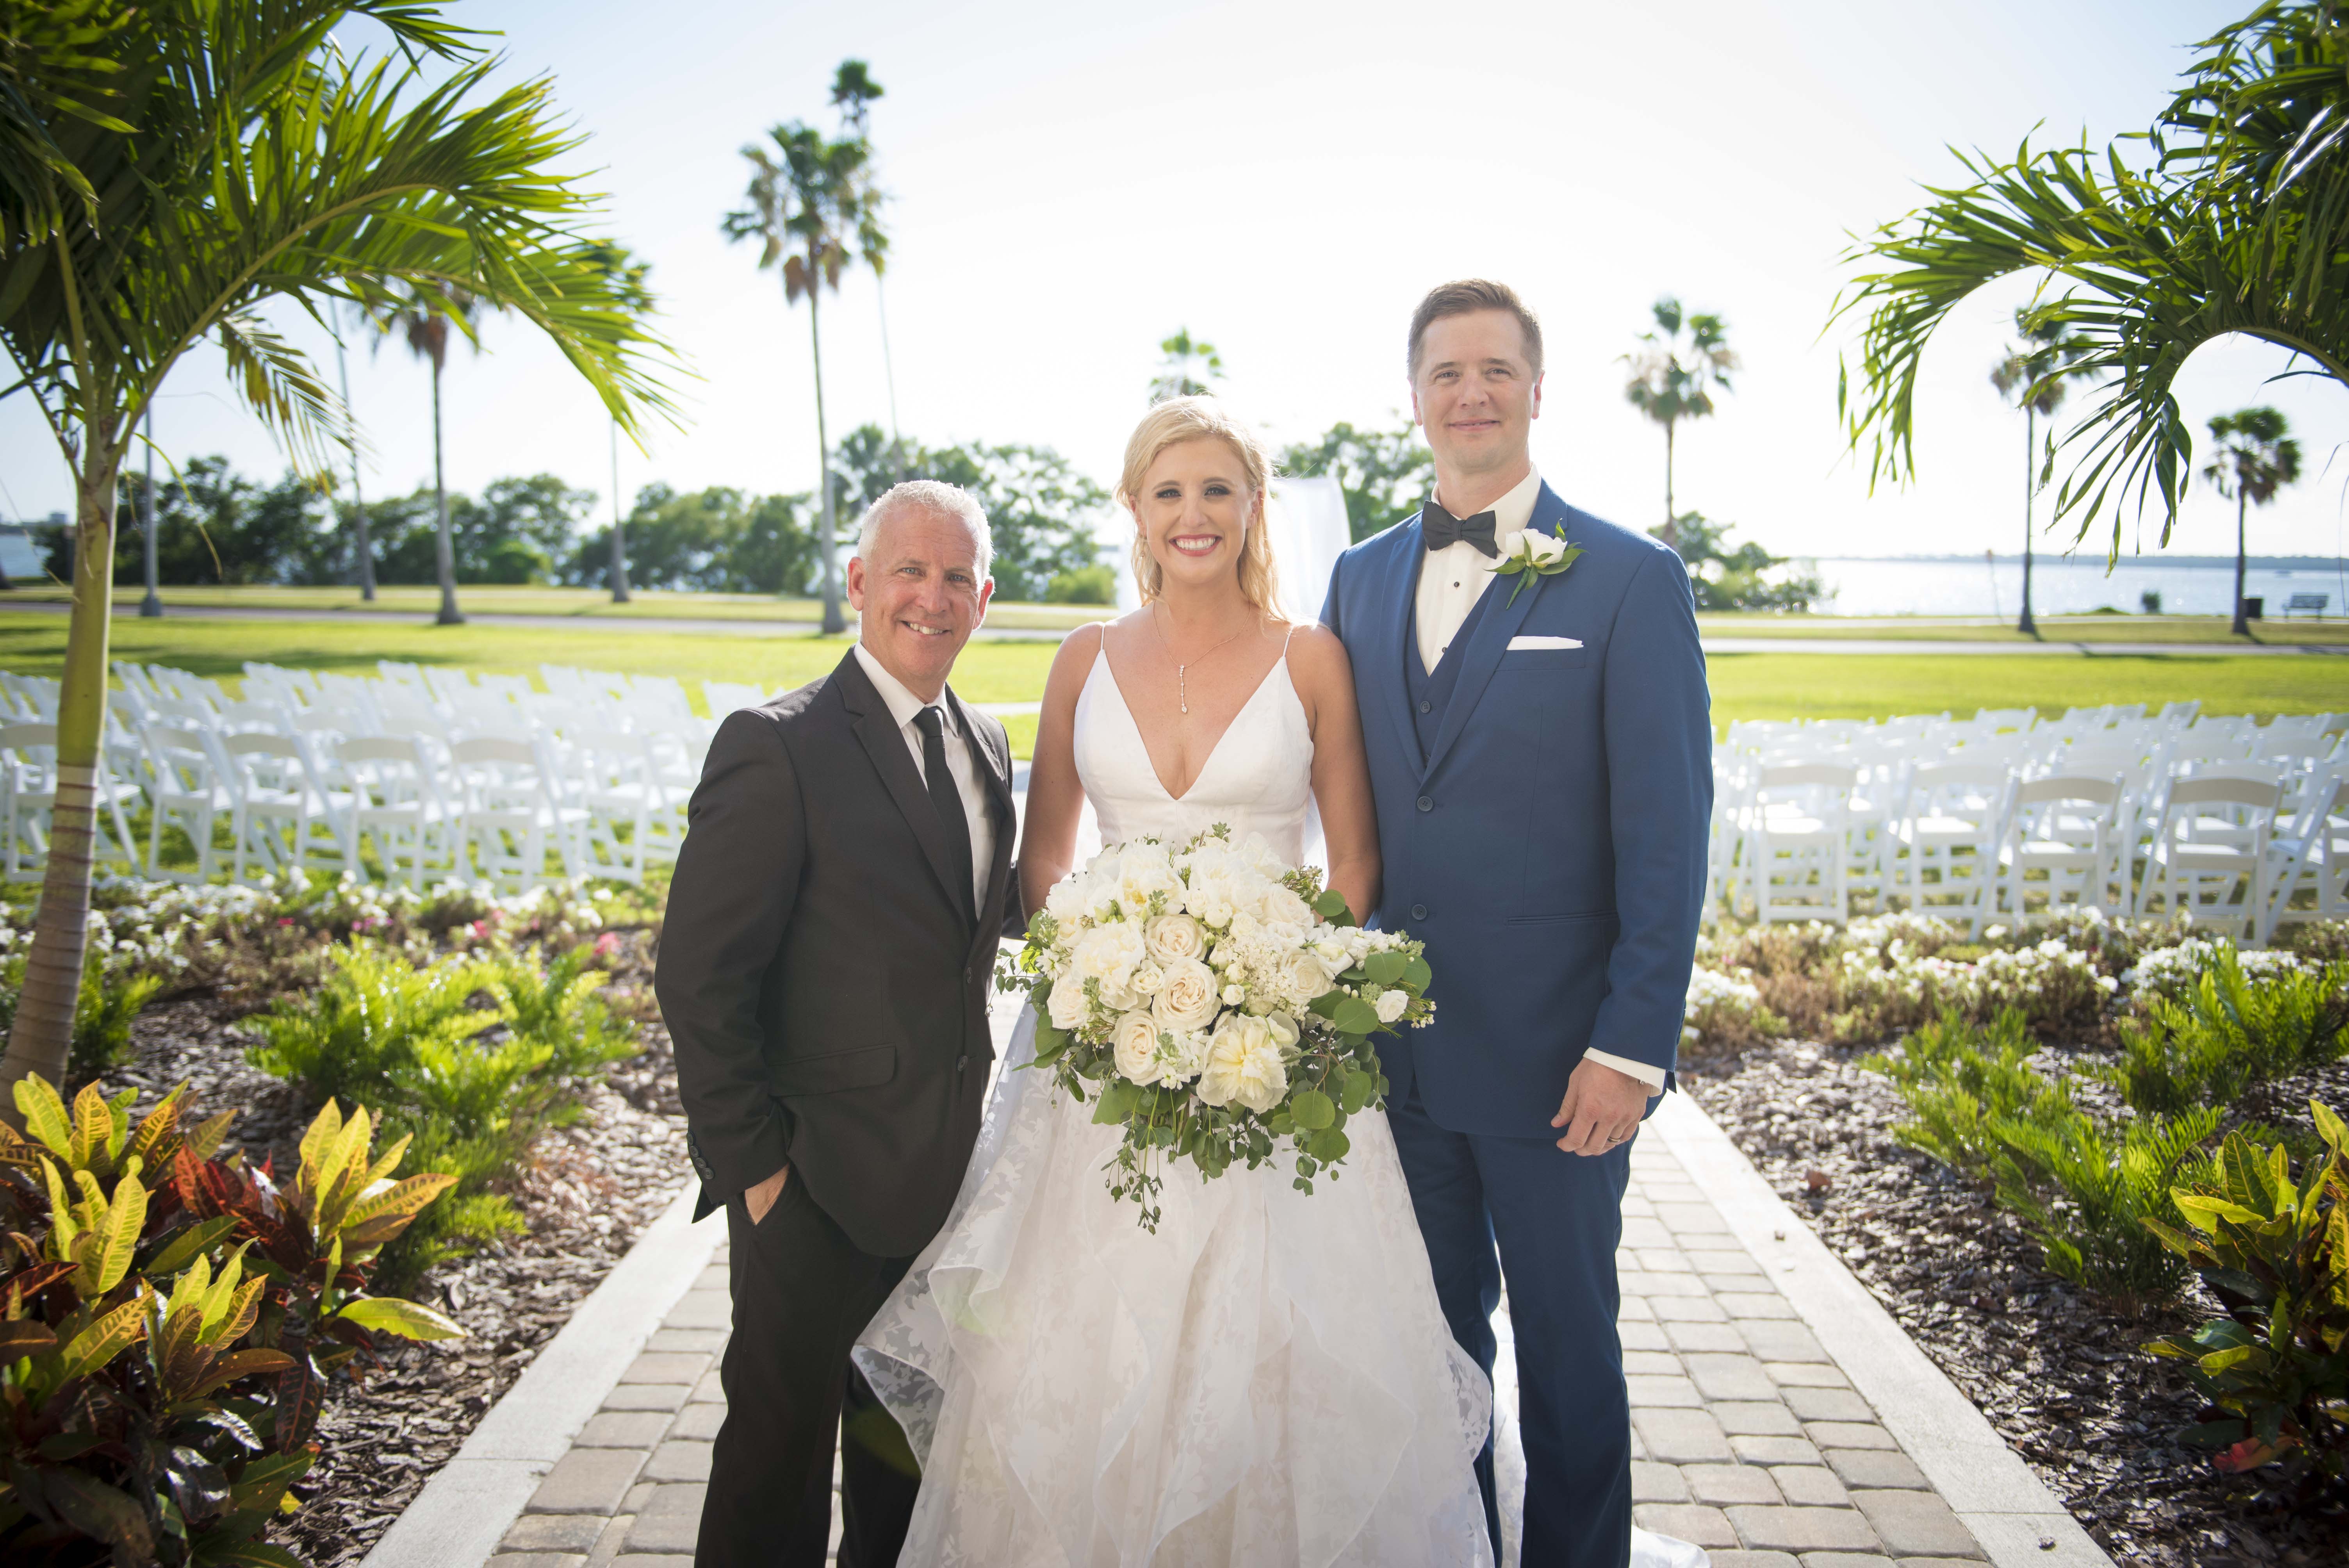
(1747, 1440)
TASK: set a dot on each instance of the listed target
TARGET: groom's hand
(761, 1198)
(1602, 1109)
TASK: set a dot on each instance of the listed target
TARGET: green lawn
(2211, 629)
(574, 604)
(1745, 686)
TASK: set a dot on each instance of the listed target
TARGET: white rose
(1302, 976)
(1244, 1065)
(1147, 977)
(1282, 907)
(1235, 994)
(1391, 1005)
(1144, 872)
(1333, 953)
(1134, 1038)
(1187, 999)
(1172, 937)
(1069, 1006)
(1547, 549)
(1243, 924)
(1283, 1028)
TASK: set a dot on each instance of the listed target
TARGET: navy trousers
(1548, 1222)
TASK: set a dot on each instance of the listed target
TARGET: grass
(2092, 629)
(561, 604)
(1745, 686)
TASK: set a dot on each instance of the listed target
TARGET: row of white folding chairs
(1965, 839)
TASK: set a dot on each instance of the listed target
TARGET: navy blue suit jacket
(1550, 846)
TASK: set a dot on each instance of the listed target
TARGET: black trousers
(802, 1292)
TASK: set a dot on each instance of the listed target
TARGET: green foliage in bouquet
(2275, 1368)
(1254, 1068)
(168, 1323)
(2228, 1032)
(472, 1059)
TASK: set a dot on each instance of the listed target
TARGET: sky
(1071, 182)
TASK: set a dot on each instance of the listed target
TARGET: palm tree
(2034, 373)
(853, 92)
(360, 545)
(421, 314)
(626, 275)
(1190, 368)
(2239, 224)
(807, 199)
(2256, 459)
(1668, 387)
(265, 165)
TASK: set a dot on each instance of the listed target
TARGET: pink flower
(607, 944)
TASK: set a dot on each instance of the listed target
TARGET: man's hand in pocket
(761, 1198)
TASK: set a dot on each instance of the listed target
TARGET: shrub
(1961, 1083)
(2086, 1195)
(2275, 1254)
(1727, 1010)
(474, 1057)
(2235, 1026)
(2174, 972)
(1082, 585)
(166, 1345)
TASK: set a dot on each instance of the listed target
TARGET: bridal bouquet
(1212, 1000)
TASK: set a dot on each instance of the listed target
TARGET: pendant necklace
(1181, 667)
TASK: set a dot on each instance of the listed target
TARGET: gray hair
(934, 495)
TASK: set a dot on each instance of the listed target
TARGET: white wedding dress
(1267, 1380)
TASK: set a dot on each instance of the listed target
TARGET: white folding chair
(28, 797)
(1947, 837)
(508, 817)
(2311, 854)
(1797, 824)
(190, 786)
(2060, 828)
(398, 807)
(723, 698)
(2210, 856)
(284, 817)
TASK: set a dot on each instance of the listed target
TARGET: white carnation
(1134, 1038)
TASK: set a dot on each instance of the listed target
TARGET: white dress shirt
(904, 707)
(1450, 580)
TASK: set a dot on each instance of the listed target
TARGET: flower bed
(1973, 1262)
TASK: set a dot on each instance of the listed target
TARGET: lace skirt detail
(1266, 1379)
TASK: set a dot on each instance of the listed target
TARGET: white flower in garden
(1172, 937)
(1134, 1038)
(1069, 1006)
(1391, 1005)
(1301, 976)
(1188, 998)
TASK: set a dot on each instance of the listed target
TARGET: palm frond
(277, 382)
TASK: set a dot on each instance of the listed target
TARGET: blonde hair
(1169, 424)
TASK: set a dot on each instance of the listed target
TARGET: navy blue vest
(1431, 690)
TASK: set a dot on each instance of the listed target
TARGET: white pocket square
(1518, 643)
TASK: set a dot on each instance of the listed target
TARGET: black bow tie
(1440, 529)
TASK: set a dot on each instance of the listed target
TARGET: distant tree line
(214, 525)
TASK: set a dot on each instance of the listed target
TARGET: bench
(2314, 602)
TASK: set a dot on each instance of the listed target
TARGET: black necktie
(947, 799)
(1442, 528)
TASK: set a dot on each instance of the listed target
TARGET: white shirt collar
(1514, 512)
(902, 704)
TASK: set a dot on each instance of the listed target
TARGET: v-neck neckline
(1101, 659)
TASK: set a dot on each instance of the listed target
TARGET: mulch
(590, 1190)
(2056, 1369)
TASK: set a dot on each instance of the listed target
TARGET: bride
(1268, 1379)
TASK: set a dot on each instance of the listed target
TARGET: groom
(1540, 748)
(824, 973)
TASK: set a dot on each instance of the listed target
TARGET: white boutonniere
(1531, 554)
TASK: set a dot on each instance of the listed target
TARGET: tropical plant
(2230, 1031)
(1962, 1082)
(2274, 1371)
(627, 277)
(854, 91)
(2235, 224)
(2086, 1195)
(422, 314)
(166, 1345)
(167, 170)
(2255, 459)
(2033, 374)
(1040, 510)
(1382, 473)
(1685, 359)
(1726, 579)
(1188, 367)
(809, 201)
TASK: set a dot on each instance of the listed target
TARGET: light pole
(619, 545)
(358, 505)
(151, 607)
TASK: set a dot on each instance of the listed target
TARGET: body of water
(2059, 586)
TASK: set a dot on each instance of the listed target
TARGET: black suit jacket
(826, 995)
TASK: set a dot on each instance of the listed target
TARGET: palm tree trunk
(2027, 626)
(889, 377)
(1671, 534)
(833, 621)
(2242, 627)
(150, 608)
(620, 541)
(444, 552)
(42, 1034)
